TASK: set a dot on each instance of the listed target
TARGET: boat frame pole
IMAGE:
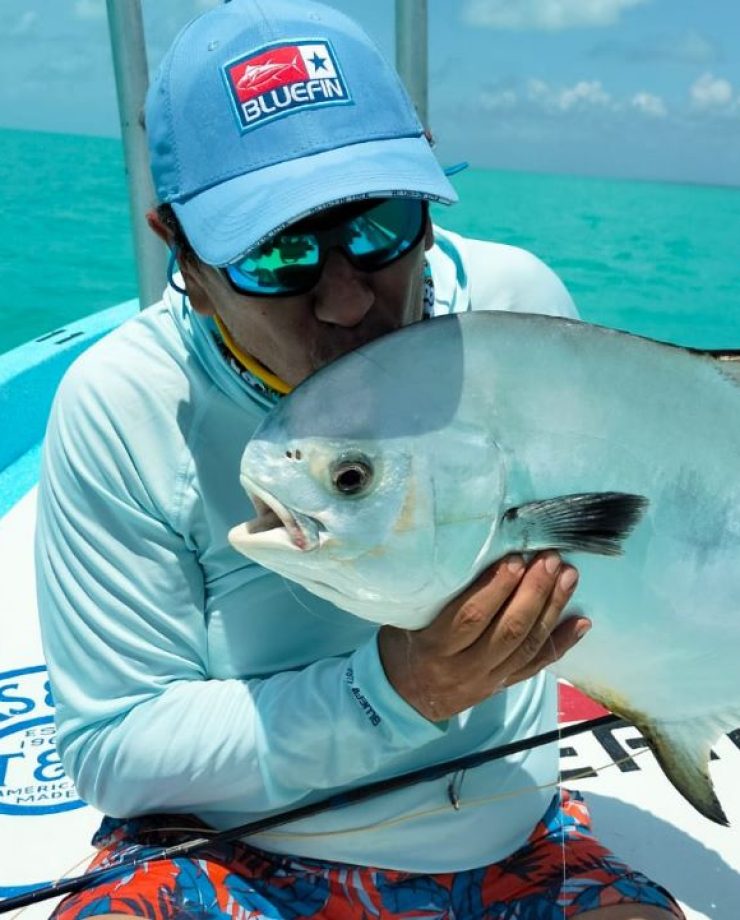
(126, 29)
(411, 53)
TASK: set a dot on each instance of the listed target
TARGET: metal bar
(126, 28)
(411, 52)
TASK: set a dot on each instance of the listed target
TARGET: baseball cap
(266, 111)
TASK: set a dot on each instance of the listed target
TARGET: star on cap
(318, 62)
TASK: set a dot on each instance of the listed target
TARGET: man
(195, 690)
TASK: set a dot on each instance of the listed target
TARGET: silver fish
(393, 476)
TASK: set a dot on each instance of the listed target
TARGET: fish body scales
(431, 452)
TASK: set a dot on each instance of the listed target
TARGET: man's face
(296, 335)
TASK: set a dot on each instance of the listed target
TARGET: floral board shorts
(233, 880)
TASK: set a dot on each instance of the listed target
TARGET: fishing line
(88, 856)
(301, 603)
(559, 784)
(587, 773)
(560, 799)
(350, 797)
(299, 600)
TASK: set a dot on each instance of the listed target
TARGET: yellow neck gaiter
(252, 364)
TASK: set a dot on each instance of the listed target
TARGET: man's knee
(110, 916)
(628, 912)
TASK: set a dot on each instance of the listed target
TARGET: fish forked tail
(683, 750)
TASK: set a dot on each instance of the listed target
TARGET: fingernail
(582, 630)
(552, 563)
(515, 564)
(567, 580)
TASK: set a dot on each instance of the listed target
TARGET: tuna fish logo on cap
(279, 79)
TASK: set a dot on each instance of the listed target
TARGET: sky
(646, 89)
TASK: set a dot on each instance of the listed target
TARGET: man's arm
(142, 724)
(475, 274)
(506, 277)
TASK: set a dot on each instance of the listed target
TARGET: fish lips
(276, 526)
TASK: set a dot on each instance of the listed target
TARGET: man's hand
(500, 630)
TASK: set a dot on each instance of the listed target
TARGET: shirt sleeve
(141, 724)
(509, 278)
(472, 274)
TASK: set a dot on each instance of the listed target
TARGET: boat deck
(45, 829)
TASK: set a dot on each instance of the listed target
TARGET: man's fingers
(560, 641)
(502, 629)
(526, 623)
(464, 620)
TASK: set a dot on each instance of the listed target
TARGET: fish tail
(683, 750)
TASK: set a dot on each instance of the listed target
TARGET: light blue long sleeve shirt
(188, 679)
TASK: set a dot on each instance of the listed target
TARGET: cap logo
(279, 79)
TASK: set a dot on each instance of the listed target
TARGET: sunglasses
(374, 236)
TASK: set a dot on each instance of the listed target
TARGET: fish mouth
(276, 525)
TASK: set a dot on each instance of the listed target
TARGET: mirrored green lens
(385, 233)
(291, 262)
(277, 266)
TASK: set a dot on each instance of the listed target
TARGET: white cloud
(24, 24)
(584, 93)
(494, 100)
(710, 93)
(581, 98)
(692, 48)
(538, 91)
(688, 47)
(90, 9)
(547, 15)
(649, 104)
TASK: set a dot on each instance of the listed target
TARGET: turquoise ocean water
(658, 259)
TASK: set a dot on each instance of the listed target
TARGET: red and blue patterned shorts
(543, 880)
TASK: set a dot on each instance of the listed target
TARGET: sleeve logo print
(279, 79)
(363, 702)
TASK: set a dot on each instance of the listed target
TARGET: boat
(45, 828)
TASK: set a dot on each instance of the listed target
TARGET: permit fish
(390, 478)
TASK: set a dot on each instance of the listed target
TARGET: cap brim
(224, 221)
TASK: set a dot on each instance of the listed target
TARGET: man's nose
(343, 295)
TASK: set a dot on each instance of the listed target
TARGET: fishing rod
(340, 800)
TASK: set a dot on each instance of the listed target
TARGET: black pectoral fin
(588, 522)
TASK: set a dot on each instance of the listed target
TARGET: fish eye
(351, 475)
